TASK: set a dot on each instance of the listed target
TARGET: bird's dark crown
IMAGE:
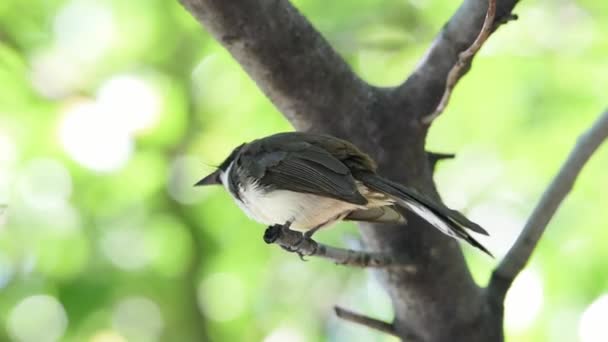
(224, 165)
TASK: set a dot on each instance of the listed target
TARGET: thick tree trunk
(434, 297)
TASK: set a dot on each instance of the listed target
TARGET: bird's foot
(309, 233)
(274, 232)
(288, 239)
(294, 246)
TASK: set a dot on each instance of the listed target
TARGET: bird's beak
(212, 179)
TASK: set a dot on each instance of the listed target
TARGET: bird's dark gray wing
(448, 221)
(303, 167)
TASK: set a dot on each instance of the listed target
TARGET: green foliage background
(104, 239)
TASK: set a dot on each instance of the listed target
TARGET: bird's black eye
(224, 165)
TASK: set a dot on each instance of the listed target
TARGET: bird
(306, 181)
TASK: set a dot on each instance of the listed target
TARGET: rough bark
(436, 298)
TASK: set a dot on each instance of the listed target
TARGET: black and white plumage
(309, 181)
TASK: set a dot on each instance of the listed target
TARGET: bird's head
(215, 178)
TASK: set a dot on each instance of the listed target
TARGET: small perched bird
(308, 181)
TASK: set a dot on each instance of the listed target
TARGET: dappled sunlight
(107, 336)
(62, 67)
(557, 36)
(183, 173)
(465, 180)
(222, 296)
(125, 248)
(138, 319)
(93, 139)
(284, 334)
(502, 221)
(524, 301)
(53, 74)
(169, 245)
(132, 102)
(8, 150)
(592, 323)
(8, 159)
(475, 183)
(110, 111)
(38, 318)
(7, 270)
(77, 22)
(203, 75)
(44, 184)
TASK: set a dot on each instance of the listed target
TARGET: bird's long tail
(448, 221)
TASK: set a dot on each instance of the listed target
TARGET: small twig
(506, 19)
(434, 158)
(520, 253)
(369, 322)
(463, 59)
(293, 241)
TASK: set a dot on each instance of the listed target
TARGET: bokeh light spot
(62, 219)
(592, 325)
(125, 248)
(503, 222)
(169, 244)
(222, 296)
(138, 319)
(132, 101)
(77, 22)
(8, 156)
(44, 184)
(66, 65)
(38, 318)
(8, 150)
(185, 171)
(524, 301)
(63, 256)
(107, 336)
(3, 215)
(7, 270)
(93, 139)
(285, 334)
(52, 73)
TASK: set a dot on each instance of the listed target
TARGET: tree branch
(293, 241)
(427, 84)
(520, 253)
(316, 90)
(435, 158)
(369, 322)
(288, 59)
(464, 59)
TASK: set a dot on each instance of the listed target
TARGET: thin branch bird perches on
(295, 242)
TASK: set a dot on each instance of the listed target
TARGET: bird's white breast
(304, 211)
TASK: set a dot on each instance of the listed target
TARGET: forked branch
(294, 65)
(369, 322)
(425, 88)
(464, 58)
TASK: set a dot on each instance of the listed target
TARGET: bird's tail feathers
(448, 221)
